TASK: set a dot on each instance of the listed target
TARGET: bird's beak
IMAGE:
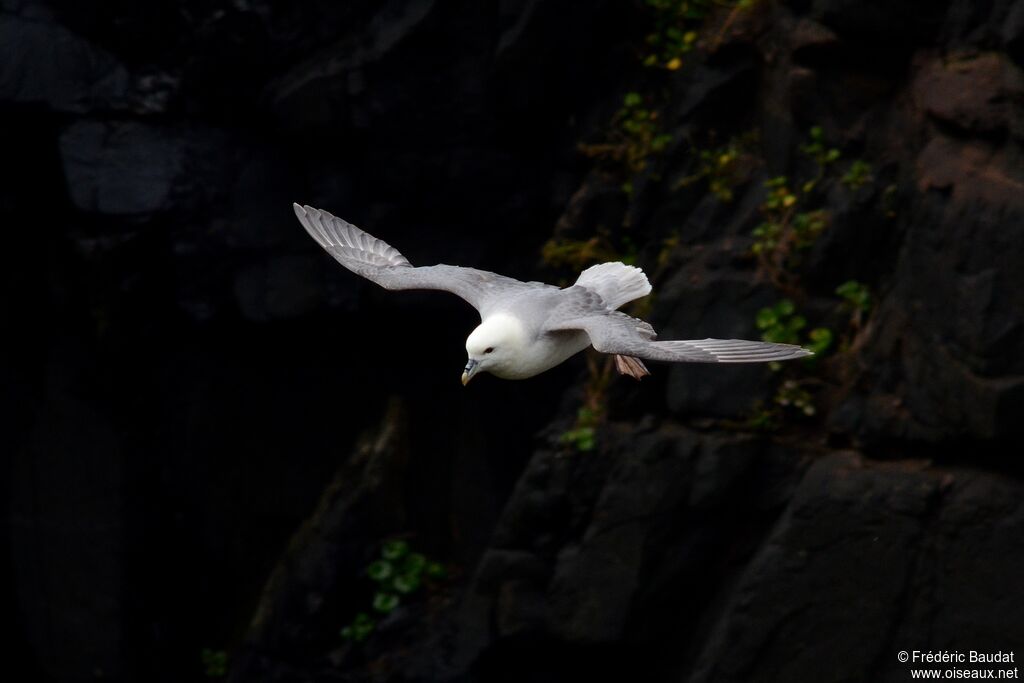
(471, 367)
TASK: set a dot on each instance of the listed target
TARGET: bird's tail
(616, 283)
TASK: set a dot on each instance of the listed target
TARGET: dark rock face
(859, 561)
(210, 427)
(48, 65)
(121, 169)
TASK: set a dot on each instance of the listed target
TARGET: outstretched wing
(618, 333)
(381, 263)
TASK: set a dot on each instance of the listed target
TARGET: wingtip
(798, 352)
(794, 351)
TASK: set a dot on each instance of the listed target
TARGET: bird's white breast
(528, 353)
(550, 350)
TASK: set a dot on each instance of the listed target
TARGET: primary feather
(379, 262)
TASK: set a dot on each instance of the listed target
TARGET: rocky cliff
(212, 428)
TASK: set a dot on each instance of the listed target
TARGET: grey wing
(381, 263)
(620, 334)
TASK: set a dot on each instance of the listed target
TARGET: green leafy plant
(642, 130)
(808, 226)
(857, 175)
(785, 229)
(360, 628)
(677, 26)
(821, 153)
(791, 223)
(856, 298)
(215, 662)
(725, 167)
(582, 435)
(674, 34)
(855, 295)
(635, 137)
(819, 340)
(780, 323)
(398, 573)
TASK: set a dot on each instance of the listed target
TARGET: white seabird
(529, 327)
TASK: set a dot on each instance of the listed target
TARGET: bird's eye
(489, 349)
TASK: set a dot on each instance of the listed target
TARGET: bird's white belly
(544, 354)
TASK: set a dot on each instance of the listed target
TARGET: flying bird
(529, 327)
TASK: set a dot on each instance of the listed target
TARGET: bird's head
(494, 347)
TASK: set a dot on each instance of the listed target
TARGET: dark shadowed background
(210, 427)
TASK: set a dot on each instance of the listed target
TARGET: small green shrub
(635, 137)
(855, 295)
(399, 572)
(677, 28)
(790, 222)
(583, 433)
(725, 167)
(641, 130)
(856, 298)
(780, 323)
(823, 155)
(808, 226)
(857, 175)
(580, 438)
(675, 34)
(360, 628)
(819, 340)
